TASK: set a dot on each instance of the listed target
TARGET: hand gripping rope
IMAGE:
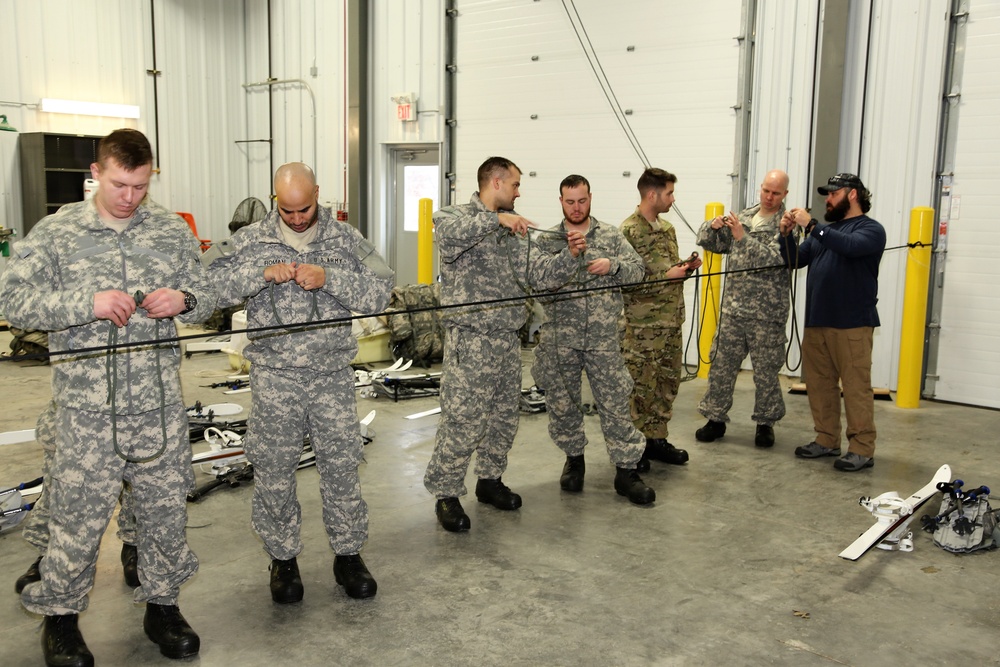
(111, 376)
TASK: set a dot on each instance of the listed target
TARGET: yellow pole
(711, 263)
(425, 243)
(914, 323)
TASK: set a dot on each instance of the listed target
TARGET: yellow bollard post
(914, 323)
(711, 264)
(425, 242)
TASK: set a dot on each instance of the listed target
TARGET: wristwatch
(190, 302)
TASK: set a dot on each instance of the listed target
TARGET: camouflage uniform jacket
(357, 280)
(71, 255)
(660, 304)
(589, 320)
(482, 261)
(752, 295)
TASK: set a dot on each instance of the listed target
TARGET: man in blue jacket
(841, 292)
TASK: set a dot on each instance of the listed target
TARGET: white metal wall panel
(969, 353)
(99, 50)
(10, 188)
(898, 146)
(679, 81)
(407, 56)
(200, 104)
(781, 115)
(674, 65)
(305, 34)
(71, 49)
(782, 96)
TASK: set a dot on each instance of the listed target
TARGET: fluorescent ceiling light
(89, 108)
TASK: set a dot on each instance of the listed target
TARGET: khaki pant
(829, 355)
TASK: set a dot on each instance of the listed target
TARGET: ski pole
(22, 486)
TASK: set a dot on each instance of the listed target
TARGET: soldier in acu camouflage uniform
(83, 274)
(581, 333)
(754, 310)
(36, 526)
(485, 256)
(295, 266)
(653, 316)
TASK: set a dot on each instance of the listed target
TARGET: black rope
(293, 326)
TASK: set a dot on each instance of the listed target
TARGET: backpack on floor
(30, 342)
(416, 335)
(966, 522)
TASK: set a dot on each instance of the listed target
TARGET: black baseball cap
(841, 181)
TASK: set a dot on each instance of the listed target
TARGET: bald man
(754, 311)
(300, 265)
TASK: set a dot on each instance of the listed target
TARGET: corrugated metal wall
(969, 352)
(200, 108)
(678, 79)
(99, 50)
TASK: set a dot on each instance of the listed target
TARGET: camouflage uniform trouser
(558, 370)
(765, 343)
(287, 406)
(480, 393)
(653, 357)
(36, 525)
(84, 481)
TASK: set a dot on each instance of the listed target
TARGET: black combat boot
(711, 431)
(765, 436)
(572, 474)
(451, 516)
(63, 644)
(168, 629)
(658, 449)
(286, 584)
(629, 484)
(351, 573)
(495, 492)
(29, 577)
(130, 564)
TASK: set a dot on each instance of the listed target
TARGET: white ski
(893, 514)
(14, 437)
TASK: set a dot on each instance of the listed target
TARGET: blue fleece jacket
(843, 259)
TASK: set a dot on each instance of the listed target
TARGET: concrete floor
(736, 562)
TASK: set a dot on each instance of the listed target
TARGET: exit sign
(404, 111)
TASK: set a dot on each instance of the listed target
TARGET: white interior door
(416, 175)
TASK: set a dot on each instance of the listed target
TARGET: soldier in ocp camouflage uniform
(485, 257)
(654, 314)
(295, 266)
(754, 311)
(581, 333)
(83, 274)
